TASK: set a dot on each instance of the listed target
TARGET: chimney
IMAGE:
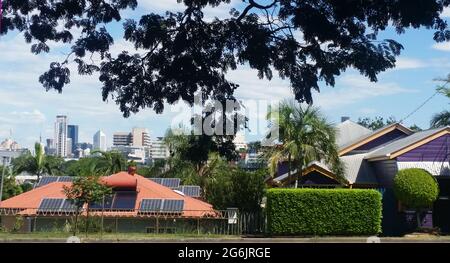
(132, 170)
(344, 118)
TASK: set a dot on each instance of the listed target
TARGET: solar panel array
(125, 200)
(161, 206)
(51, 179)
(189, 190)
(56, 205)
(167, 182)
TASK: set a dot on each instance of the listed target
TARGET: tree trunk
(289, 167)
(75, 230)
(87, 219)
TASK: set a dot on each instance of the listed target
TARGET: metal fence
(216, 222)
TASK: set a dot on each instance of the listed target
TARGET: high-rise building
(72, 133)
(138, 137)
(61, 135)
(141, 137)
(69, 147)
(122, 139)
(100, 141)
(159, 150)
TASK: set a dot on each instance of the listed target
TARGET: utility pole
(3, 178)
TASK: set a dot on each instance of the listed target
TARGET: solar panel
(124, 200)
(65, 179)
(98, 205)
(68, 206)
(156, 180)
(150, 205)
(170, 205)
(167, 182)
(46, 180)
(50, 205)
(171, 182)
(191, 190)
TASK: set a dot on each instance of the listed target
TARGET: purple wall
(437, 150)
(388, 137)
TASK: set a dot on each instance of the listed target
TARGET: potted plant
(416, 189)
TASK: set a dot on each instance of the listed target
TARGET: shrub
(415, 188)
(323, 212)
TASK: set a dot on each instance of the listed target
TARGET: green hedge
(416, 188)
(323, 212)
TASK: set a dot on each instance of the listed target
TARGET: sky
(28, 111)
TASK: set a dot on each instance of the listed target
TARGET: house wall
(386, 138)
(9, 222)
(385, 172)
(437, 150)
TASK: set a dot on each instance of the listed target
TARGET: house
(373, 158)
(137, 204)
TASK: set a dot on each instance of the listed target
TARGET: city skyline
(397, 93)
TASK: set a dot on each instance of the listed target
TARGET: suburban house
(137, 204)
(373, 158)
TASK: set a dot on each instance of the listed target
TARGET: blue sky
(28, 110)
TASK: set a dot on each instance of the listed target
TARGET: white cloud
(23, 117)
(409, 63)
(161, 6)
(351, 89)
(446, 12)
(443, 46)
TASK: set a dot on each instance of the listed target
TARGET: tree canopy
(180, 53)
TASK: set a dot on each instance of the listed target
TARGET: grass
(5, 236)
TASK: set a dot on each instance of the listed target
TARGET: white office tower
(69, 147)
(159, 150)
(100, 141)
(239, 142)
(61, 135)
(141, 137)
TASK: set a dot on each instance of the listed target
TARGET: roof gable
(373, 137)
(399, 147)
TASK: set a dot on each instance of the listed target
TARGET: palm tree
(442, 119)
(112, 162)
(38, 163)
(304, 136)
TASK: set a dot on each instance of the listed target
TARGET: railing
(218, 222)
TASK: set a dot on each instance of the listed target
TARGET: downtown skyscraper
(60, 139)
(72, 133)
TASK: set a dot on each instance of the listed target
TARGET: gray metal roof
(348, 132)
(402, 143)
(358, 170)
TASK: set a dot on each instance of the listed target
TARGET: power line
(420, 106)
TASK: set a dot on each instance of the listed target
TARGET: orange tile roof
(146, 189)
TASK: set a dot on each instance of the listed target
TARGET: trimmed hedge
(416, 188)
(324, 212)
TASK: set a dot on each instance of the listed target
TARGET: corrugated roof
(348, 131)
(402, 143)
(358, 170)
(146, 189)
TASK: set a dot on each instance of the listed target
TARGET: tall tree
(305, 41)
(442, 118)
(38, 163)
(110, 162)
(304, 136)
(376, 123)
(84, 191)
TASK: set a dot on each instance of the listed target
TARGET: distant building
(141, 137)
(159, 150)
(137, 154)
(9, 144)
(69, 147)
(61, 135)
(72, 133)
(99, 141)
(122, 139)
(84, 145)
(138, 137)
(50, 148)
(239, 142)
